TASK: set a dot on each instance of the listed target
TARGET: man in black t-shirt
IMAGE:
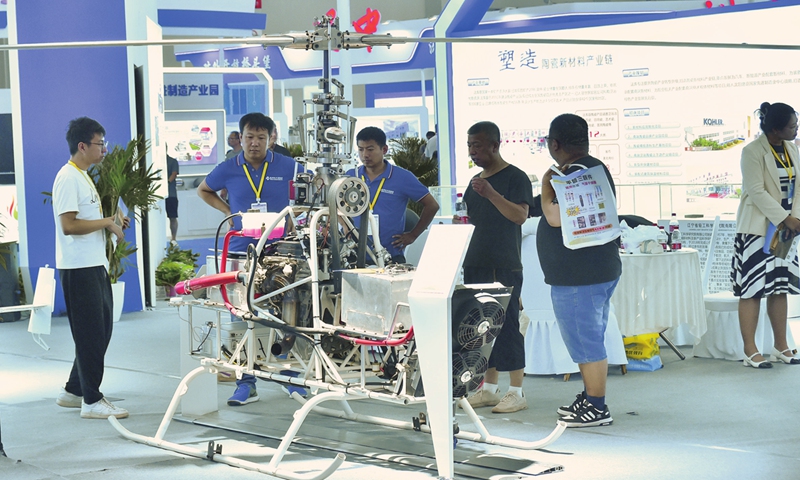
(277, 147)
(581, 281)
(498, 200)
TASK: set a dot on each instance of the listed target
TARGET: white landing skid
(482, 436)
(213, 452)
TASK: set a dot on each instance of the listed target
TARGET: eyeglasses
(103, 144)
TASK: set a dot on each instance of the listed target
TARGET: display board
(9, 226)
(674, 115)
(192, 142)
(396, 122)
(696, 233)
(195, 137)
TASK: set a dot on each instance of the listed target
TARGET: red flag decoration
(368, 23)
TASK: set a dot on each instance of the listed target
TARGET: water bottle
(663, 239)
(675, 240)
(461, 209)
(673, 223)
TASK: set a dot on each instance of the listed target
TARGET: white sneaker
(68, 400)
(102, 409)
(511, 403)
(482, 398)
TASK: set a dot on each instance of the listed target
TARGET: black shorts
(172, 207)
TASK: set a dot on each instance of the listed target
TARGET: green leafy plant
(178, 265)
(295, 149)
(175, 254)
(122, 176)
(405, 152)
(5, 249)
(170, 273)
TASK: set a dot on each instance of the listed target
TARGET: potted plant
(178, 265)
(122, 178)
(406, 153)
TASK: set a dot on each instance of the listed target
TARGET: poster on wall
(9, 225)
(656, 115)
(192, 142)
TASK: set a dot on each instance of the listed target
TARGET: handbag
(780, 241)
(587, 206)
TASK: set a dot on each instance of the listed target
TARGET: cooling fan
(477, 322)
(468, 370)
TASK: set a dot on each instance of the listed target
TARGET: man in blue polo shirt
(256, 178)
(390, 189)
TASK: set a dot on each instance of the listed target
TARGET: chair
(723, 339)
(545, 351)
(414, 251)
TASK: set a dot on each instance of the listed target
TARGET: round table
(660, 291)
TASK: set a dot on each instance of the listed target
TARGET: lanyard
(789, 169)
(250, 179)
(377, 194)
(91, 184)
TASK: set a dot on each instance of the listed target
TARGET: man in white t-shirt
(83, 268)
(432, 147)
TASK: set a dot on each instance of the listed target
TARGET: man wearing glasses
(83, 268)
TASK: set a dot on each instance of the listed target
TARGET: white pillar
(342, 58)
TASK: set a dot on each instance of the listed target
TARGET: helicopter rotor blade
(271, 40)
(388, 40)
(311, 41)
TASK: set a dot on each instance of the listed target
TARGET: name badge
(259, 207)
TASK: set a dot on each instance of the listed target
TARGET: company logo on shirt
(274, 178)
(390, 192)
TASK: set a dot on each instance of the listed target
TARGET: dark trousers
(508, 353)
(87, 292)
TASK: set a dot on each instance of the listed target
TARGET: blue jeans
(582, 316)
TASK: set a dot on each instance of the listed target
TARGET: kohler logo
(713, 121)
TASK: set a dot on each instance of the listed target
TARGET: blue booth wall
(57, 85)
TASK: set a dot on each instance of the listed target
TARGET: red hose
(224, 263)
(186, 287)
(382, 343)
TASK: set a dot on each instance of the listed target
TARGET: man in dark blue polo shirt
(256, 178)
(390, 189)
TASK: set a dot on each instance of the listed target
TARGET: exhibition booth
(668, 90)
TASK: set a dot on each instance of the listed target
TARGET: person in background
(769, 195)
(257, 178)
(432, 146)
(277, 147)
(498, 201)
(83, 268)
(424, 145)
(581, 294)
(235, 142)
(390, 189)
(171, 202)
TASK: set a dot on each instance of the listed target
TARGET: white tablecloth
(660, 291)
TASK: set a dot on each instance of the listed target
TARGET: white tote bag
(588, 207)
